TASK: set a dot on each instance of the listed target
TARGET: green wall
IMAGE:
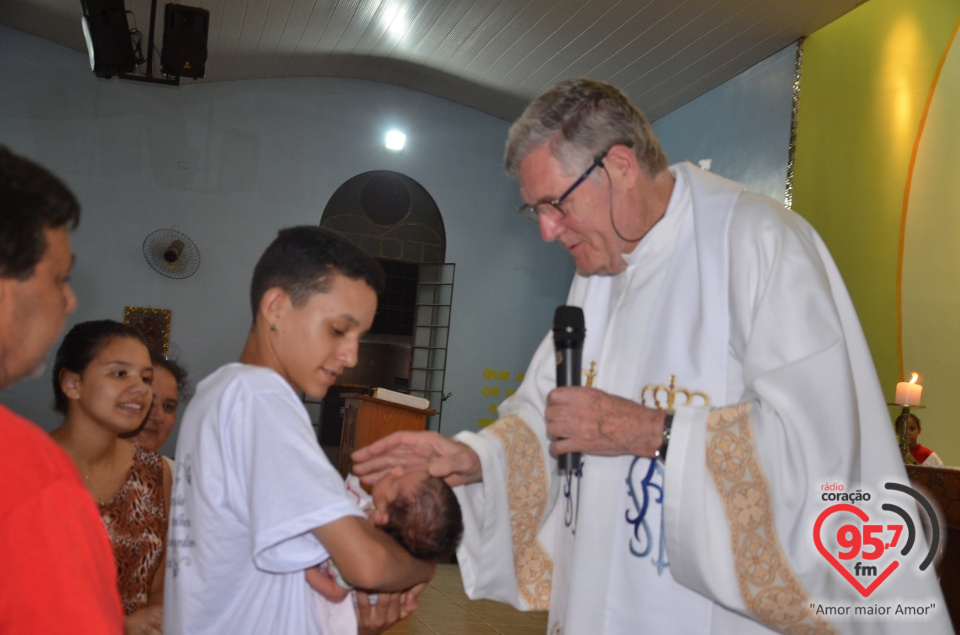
(866, 86)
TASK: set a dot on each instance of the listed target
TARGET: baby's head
(420, 511)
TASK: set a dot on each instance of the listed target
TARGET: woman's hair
(173, 367)
(80, 345)
(429, 524)
(302, 261)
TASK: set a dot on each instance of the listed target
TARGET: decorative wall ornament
(153, 323)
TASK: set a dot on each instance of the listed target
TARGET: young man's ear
(273, 306)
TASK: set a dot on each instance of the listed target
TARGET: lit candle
(908, 392)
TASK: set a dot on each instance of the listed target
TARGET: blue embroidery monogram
(641, 544)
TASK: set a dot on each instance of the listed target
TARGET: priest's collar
(664, 233)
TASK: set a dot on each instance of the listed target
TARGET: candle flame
(915, 377)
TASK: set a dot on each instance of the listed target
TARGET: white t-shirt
(251, 483)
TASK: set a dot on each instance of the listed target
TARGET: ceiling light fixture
(394, 20)
(395, 140)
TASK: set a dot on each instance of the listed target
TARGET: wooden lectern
(366, 419)
(941, 486)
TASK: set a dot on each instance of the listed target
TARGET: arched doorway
(394, 219)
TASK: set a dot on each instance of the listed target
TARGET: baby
(419, 511)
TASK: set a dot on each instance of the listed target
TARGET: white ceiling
(492, 55)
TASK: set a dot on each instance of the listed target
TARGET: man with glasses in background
(718, 328)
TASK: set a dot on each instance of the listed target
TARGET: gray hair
(581, 118)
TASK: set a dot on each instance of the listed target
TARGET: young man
(256, 502)
(58, 572)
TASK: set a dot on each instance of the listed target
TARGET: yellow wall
(877, 173)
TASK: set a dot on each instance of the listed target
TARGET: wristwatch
(661, 452)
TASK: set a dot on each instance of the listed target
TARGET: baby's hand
(323, 582)
(146, 621)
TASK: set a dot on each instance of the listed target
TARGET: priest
(729, 383)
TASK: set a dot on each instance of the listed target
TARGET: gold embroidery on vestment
(768, 586)
(527, 496)
(670, 393)
(591, 374)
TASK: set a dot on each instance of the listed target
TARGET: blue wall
(231, 163)
(743, 126)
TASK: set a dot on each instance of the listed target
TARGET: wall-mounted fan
(171, 253)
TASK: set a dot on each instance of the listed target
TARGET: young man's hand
(376, 612)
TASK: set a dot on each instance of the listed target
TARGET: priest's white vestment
(733, 311)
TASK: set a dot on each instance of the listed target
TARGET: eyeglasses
(533, 211)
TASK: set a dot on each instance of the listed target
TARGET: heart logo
(873, 541)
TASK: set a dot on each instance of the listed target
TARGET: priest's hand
(454, 462)
(590, 421)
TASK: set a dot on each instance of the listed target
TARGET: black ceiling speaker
(107, 33)
(184, 52)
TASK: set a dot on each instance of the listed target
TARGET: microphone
(568, 334)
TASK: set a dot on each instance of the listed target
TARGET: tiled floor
(445, 610)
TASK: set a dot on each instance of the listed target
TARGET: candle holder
(903, 439)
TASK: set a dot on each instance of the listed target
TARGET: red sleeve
(58, 573)
(921, 453)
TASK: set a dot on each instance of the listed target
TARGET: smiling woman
(102, 380)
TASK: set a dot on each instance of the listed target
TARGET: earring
(273, 327)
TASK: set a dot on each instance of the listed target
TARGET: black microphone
(568, 334)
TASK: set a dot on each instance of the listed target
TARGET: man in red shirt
(58, 573)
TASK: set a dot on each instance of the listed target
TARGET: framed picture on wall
(153, 323)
